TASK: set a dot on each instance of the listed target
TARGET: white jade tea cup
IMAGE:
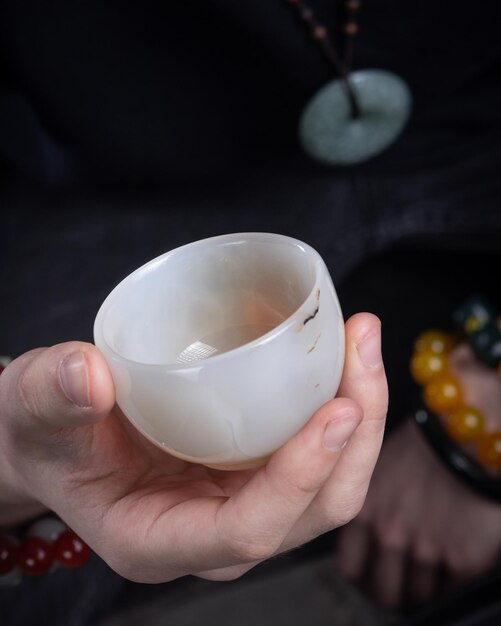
(221, 350)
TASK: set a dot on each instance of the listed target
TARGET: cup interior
(206, 298)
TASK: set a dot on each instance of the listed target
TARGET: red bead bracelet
(48, 544)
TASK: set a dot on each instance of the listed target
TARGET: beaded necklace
(357, 115)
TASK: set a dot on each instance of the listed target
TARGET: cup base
(232, 467)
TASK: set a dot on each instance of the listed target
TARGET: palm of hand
(125, 486)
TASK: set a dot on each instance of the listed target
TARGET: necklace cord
(319, 34)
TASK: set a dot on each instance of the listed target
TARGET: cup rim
(226, 238)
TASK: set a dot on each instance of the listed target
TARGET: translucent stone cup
(221, 350)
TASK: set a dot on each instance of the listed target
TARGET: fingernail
(369, 350)
(338, 432)
(74, 379)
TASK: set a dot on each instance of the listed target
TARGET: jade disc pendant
(327, 131)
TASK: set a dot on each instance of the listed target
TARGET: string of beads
(47, 544)
(318, 32)
(442, 393)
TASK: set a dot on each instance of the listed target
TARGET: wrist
(461, 464)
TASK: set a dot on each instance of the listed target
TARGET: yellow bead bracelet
(443, 395)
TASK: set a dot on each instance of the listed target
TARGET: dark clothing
(129, 128)
(205, 91)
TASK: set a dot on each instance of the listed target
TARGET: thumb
(65, 386)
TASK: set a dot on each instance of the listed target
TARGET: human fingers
(52, 388)
(213, 533)
(47, 391)
(352, 556)
(465, 562)
(364, 382)
(426, 535)
(423, 582)
(403, 532)
(276, 497)
(274, 512)
(388, 577)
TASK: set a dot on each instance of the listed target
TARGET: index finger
(256, 520)
(363, 381)
(208, 533)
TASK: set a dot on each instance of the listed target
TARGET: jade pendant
(330, 134)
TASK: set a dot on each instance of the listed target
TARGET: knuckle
(391, 533)
(383, 406)
(376, 420)
(226, 575)
(298, 480)
(27, 395)
(342, 513)
(249, 550)
(463, 564)
(303, 486)
(424, 551)
(135, 568)
(122, 569)
(349, 511)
